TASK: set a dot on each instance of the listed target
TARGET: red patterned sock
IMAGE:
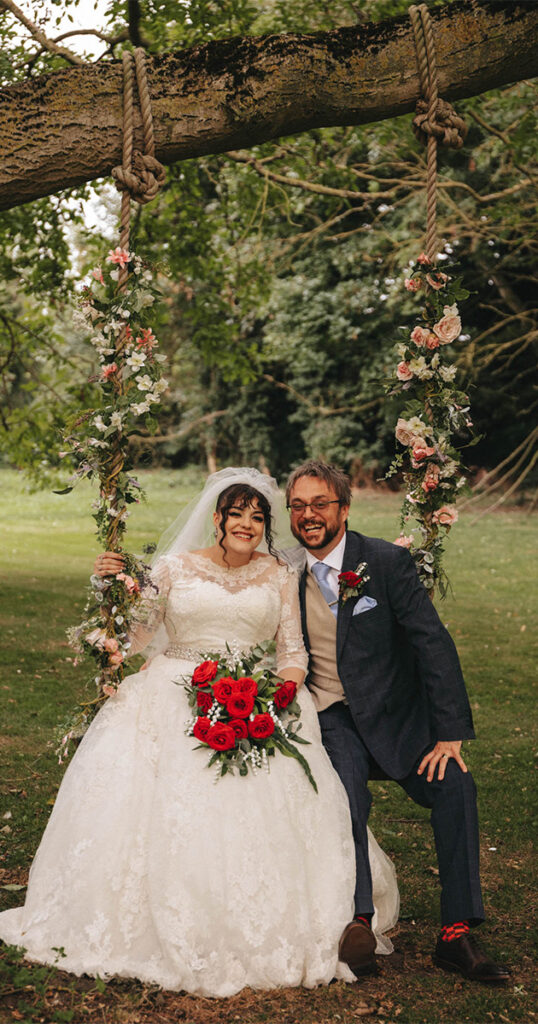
(365, 918)
(449, 932)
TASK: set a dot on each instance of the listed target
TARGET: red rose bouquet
(244, 713)
(351, 584)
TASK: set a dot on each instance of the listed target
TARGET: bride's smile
(239, 532)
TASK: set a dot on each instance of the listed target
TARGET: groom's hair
(333, 477)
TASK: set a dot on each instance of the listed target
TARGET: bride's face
(243, 530)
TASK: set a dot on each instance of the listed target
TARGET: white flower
(420, 368)
(98, 421)
(160, 386)
(114, 274)
(447, 373)
(125, 313)
(97, 444)
(139, 408)
(144, 383)
(159, 358)
(137, 360)
(115, 419)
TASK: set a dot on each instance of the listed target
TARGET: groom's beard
(323, 538)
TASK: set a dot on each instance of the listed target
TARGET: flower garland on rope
(434, 421)
(115, 309)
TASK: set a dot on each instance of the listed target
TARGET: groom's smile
(318, 520)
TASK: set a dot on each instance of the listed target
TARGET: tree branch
(38, 34)
(60, 130)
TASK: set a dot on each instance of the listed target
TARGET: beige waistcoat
(323, 680)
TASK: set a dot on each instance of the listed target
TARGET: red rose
(201, 729)
(223, 689)
(204, 673)
(245, 685)
(350, 578)
(204, 701)
(239, 727)
(261, 727)
(285, 693)
(239, 705)
(221, 737)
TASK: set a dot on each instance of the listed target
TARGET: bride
(149, 869)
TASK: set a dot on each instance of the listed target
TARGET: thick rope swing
(435, 120)
(139, 177)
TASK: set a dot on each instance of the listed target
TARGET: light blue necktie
(321, 571)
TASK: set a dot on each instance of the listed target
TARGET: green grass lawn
(45, 560)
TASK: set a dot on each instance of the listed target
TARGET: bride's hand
(108, 564)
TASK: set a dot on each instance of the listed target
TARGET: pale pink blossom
(449, 327)
(403, 372)
(432, 341)
(437, 279)
(445, 516)
(97, 273)
(409, 432)
(111, 644)
(147, 339)
(131, 585)
(115, 659)
(109, 690)
(420, 335)
(96, 638)
(119, 256)
(412, 284)
(109, 371)
(431, 478)
(404, 542)
(423, 260)
(422, 451)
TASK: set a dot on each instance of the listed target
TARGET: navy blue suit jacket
(397, 663)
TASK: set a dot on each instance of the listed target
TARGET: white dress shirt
(334, 559)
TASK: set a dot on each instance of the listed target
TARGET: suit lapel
(302, 602)
(352, 558)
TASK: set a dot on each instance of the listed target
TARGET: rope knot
(143, 180)
(444, 124)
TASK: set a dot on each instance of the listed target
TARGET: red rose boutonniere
(351, 584)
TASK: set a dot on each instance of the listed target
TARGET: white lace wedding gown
(150, 869)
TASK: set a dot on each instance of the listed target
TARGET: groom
(388, 687)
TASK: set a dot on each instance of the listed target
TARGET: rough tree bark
(63, 129)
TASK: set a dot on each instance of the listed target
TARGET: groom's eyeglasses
(319, 505)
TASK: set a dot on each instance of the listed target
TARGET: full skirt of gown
(149, 868)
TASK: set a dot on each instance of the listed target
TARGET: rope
(139, 177)
(435, 120)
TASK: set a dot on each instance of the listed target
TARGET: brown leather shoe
(357, 947)
(464, 956)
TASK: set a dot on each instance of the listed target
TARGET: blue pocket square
(364, 604)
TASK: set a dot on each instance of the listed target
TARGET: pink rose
(437, 280)
(115, 659)
(412, 284)
(405, 435)
(419, 335)
(431, 341)
(131, 585)
(422, 451)
(445, 516)
(431, 477)
(404, 542)
(449, 327)
(109, 690)
(403, 372)
(111, 644)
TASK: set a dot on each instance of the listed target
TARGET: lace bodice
(204, 606)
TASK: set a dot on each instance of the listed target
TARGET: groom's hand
(439, 757)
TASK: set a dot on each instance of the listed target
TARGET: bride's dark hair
(240, 496)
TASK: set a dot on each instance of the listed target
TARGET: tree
(61, 130)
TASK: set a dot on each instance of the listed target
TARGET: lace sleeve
(290, 649)
(150, 614)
